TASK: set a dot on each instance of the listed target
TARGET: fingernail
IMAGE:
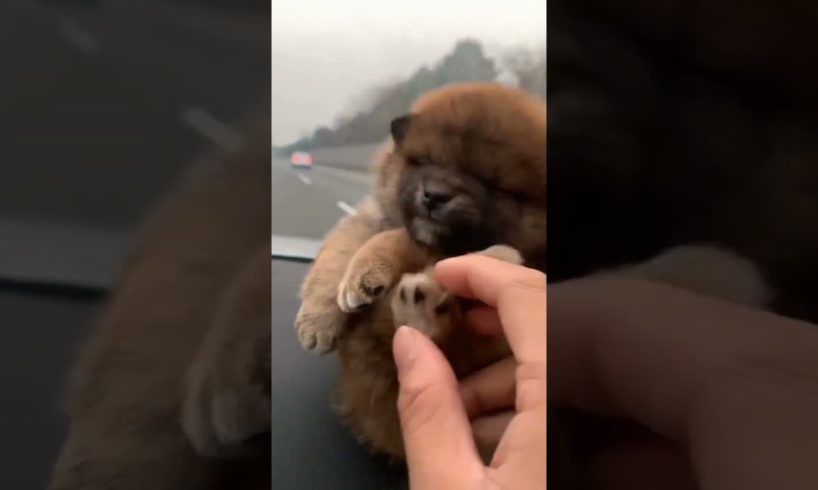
(447, 261)
(403, 347)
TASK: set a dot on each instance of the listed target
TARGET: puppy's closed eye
(419, 161)
(500, 189)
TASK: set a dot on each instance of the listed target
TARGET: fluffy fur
(481, 148)
(201, 269)
(468, 161)
(482, 145)
(367, 389)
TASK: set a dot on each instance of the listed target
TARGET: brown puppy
(464, 171)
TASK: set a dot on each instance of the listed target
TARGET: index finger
(518, 293)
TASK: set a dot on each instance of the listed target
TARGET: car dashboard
(311, 448)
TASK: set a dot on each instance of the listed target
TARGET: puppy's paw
(504, 253)
(419, 302)
(318, 326)
(363, 283)
(226, 411)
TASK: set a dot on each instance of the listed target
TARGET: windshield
(340, 76)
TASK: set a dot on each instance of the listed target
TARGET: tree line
(466, 62)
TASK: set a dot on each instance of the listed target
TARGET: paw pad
(373, 291)
(422, 304)
(442, 308)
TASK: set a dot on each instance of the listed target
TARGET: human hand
(719, 396)
(488, 397)
(440, 449)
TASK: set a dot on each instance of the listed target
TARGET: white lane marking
(306, 180)
(79, 37)
(289, 247)
(347, 208)
(211, 128)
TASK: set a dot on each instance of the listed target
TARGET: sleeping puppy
(465, 170)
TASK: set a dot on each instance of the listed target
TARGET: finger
(484, 320)
(489, 430)
(483, 278)
(518, 294)
(440, 450)
(522, 451)
(660, 350)
(490, 389)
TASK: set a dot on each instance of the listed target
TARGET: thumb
(440, 450)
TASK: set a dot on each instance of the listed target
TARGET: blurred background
(341, 75)
(103, 105)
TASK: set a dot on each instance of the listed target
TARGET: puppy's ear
(399, 126)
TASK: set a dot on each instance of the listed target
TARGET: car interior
(320, 452)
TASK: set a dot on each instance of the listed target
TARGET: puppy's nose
(433, 199)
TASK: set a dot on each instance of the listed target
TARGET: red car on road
(301, 159)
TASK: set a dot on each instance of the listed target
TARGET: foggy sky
(326, 53)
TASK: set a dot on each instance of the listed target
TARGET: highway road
(308, 203)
